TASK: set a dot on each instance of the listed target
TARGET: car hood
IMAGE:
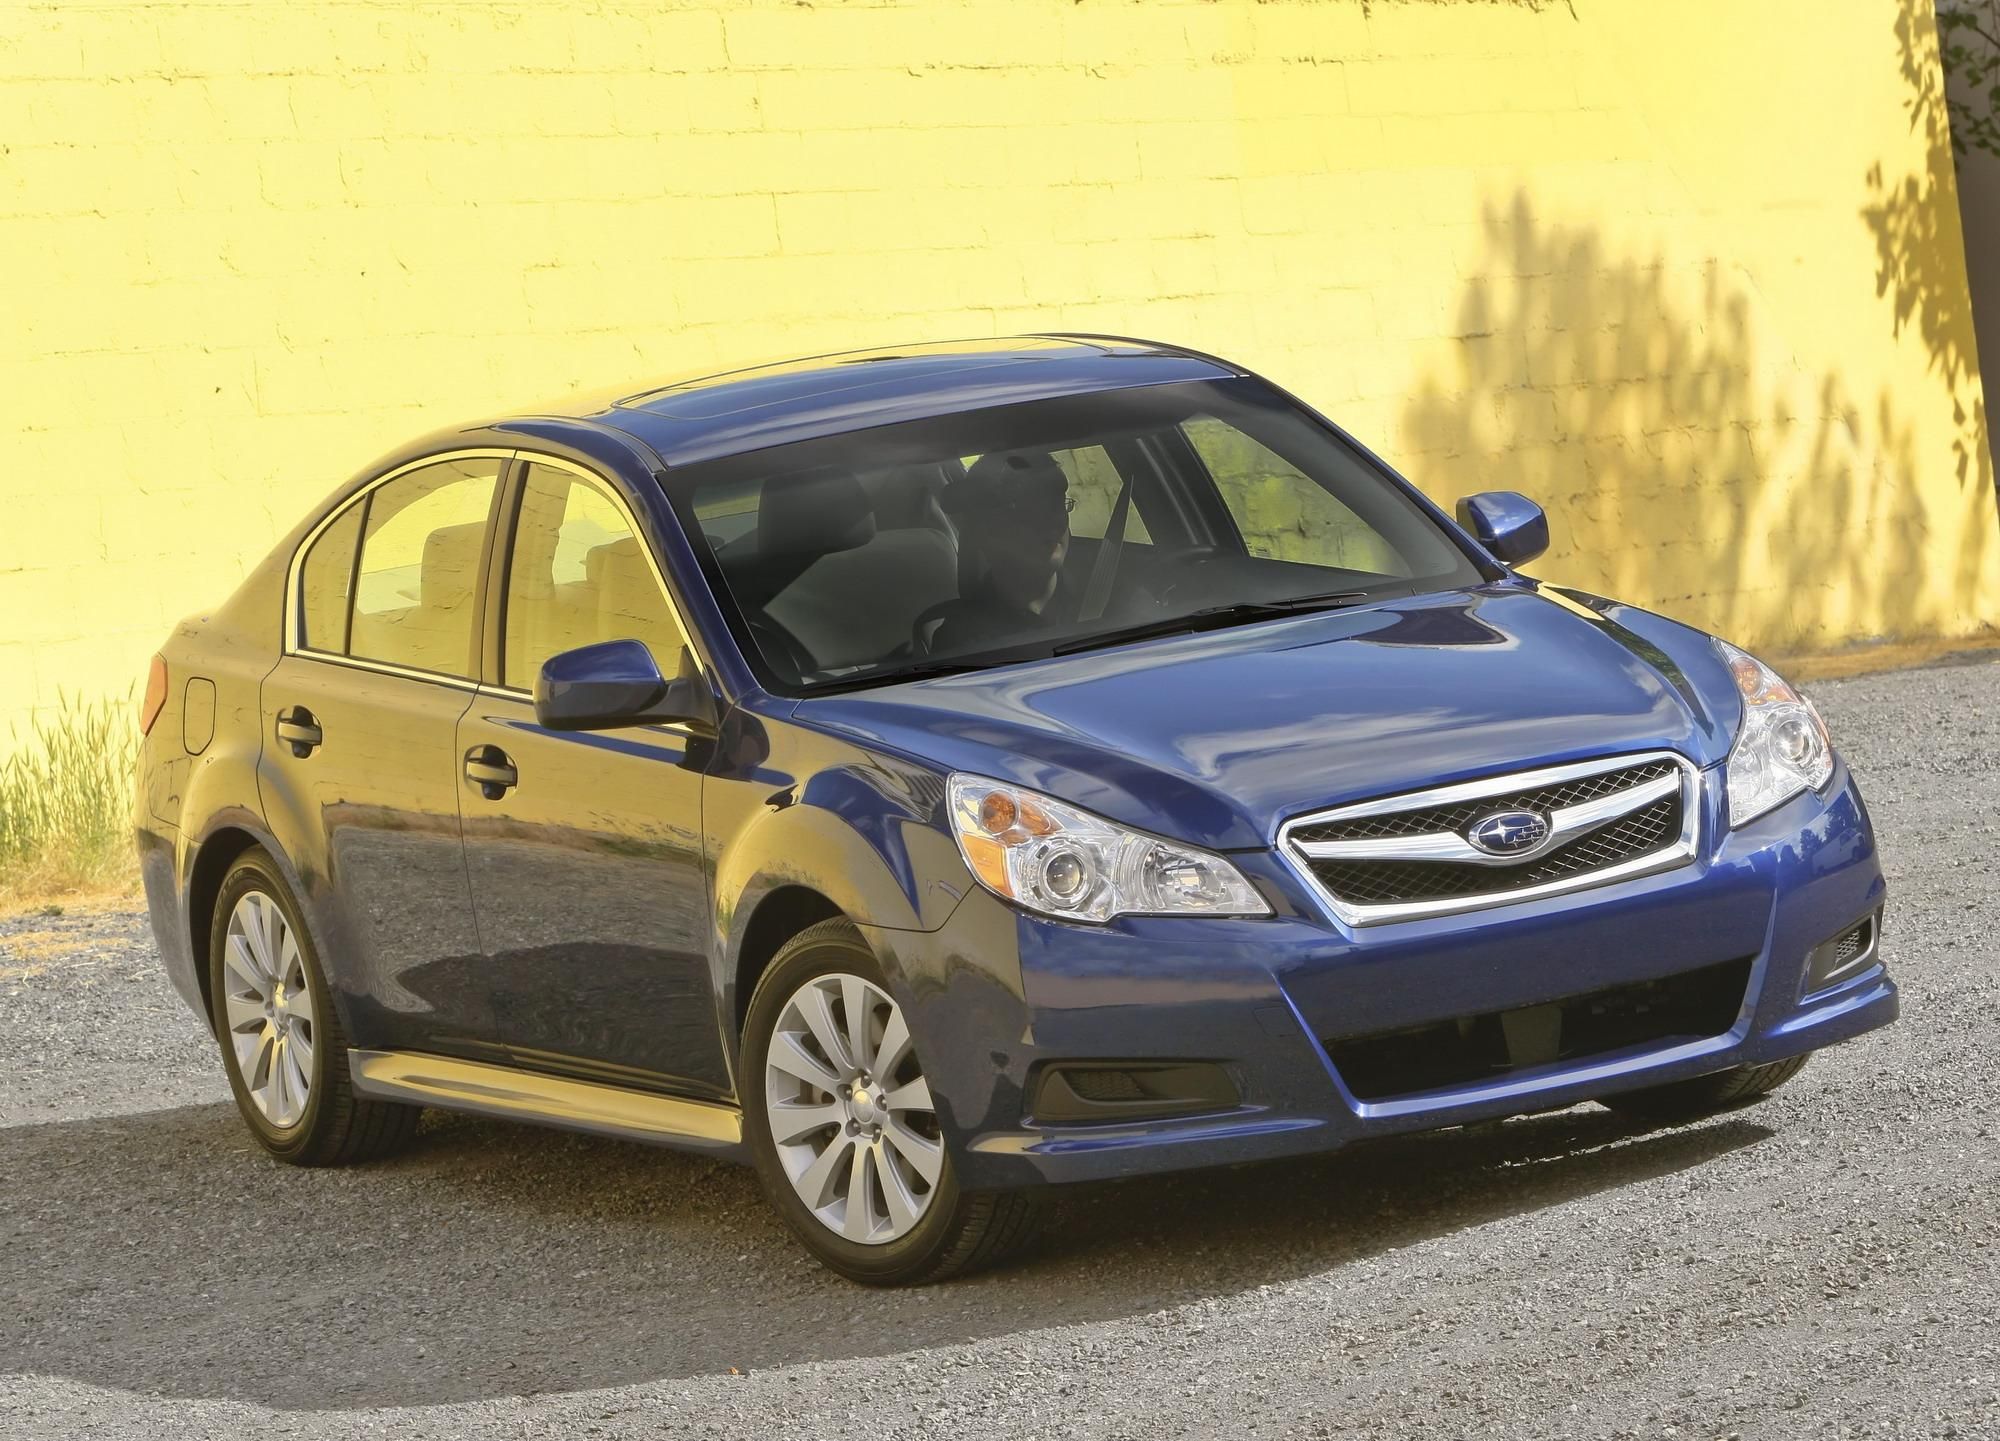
(1218, 737)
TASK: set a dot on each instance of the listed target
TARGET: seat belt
(1097, 590)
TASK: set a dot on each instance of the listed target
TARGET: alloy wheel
(268, 1003)
(851, 1114)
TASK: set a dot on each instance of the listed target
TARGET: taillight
(156, 696)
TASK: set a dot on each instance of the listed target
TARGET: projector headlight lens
(1782, 747)
(1056, 860)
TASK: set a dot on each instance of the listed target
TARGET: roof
(768, 405)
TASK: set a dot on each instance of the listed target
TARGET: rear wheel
(844, 1130)
(282, 1045)
(1705, 1095)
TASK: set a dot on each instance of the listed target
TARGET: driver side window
(577, 574)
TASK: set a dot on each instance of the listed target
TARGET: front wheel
(1704, 1095)
(845, 1132)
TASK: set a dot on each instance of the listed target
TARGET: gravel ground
(1824, 1264)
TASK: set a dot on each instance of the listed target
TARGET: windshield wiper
(930, 671)
(1215, 617)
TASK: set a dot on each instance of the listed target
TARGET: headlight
(1060, 861)
(1782, 748)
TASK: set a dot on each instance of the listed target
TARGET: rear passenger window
(578, 575)
(416, 586)
(323, 584)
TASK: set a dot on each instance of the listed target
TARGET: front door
(359, 774)
(584, 850)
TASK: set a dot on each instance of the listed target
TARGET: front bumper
(996, 995)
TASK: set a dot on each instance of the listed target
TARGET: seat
(847, 590)
(436, 633)
(630, 603)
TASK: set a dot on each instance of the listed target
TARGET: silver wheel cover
(267, 1002)
(850, 1111)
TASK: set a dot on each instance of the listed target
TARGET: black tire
(336, 1127)
(960, 1231)
(1704, 1095)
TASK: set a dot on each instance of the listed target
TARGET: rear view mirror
(617, 683)
(1507, 523)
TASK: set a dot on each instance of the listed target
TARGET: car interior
(434, 632)
(839, 571)
(618, 598)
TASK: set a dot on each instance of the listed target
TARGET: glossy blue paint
(1348, 705)
(597, 918)
(1507, 523)
(727, 414)
(1266, 995)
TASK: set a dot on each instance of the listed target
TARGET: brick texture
(1591, 251)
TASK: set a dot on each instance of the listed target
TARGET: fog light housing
(1085, 1092)
(1853, 952)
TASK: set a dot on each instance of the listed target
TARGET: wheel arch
(779, 915)
(212, 859)
(228, 838)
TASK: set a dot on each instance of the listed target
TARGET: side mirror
(617, 683)
(1507, 523)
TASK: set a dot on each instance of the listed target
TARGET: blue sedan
(931, 775)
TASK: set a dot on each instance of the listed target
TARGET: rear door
(359, 773)
(585, 857)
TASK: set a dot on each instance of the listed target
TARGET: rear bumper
(160, 867)
(996, 996)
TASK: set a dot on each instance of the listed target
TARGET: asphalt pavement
(1825, 1263)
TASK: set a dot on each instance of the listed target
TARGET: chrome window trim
(1682, 851)
(294, 609)
(383, 667)
(294, 617)
(610, 492)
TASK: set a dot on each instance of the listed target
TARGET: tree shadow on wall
(1918, 259)
(1627, 395)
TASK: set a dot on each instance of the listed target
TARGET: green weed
(66, 796)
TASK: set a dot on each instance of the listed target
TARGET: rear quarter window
(325, 579)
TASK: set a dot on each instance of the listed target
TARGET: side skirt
(488, 1090)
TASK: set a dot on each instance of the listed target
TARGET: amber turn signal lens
(156, 696)
(996, 813)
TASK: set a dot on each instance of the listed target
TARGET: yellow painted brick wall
(1688, 273)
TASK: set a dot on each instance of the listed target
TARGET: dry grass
(1867, 659)
(66, 795)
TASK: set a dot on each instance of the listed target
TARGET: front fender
(862, 829)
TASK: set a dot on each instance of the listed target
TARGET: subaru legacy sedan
(938, 774)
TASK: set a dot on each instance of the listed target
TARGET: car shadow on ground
(161, 1254)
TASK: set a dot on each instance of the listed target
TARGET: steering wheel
(780, 645)
(1180, 566)
(921, 627)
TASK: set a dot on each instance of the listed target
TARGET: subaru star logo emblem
(1508, 833)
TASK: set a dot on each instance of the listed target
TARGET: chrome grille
(1409, 856)
(1458, 817)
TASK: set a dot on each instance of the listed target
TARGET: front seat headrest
(813, 511)
(801, 517)
(450, 567)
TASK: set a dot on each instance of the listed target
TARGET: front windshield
(1031, 530)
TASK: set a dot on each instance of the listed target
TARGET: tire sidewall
(906, 1258)
(255, 872)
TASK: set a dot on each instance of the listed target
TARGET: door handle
(489, 768)
(299, 729)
